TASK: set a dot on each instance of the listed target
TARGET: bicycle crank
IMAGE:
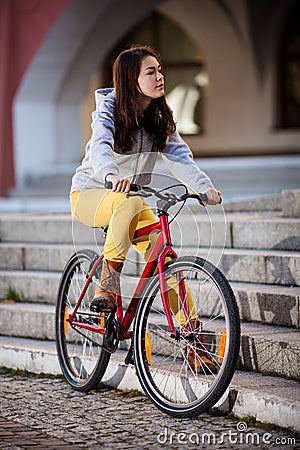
(111, 340)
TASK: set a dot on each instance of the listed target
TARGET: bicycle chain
(110, 339)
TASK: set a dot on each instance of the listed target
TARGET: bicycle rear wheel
(163, 362)
(82, 359)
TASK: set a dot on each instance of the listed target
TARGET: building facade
(232, 73)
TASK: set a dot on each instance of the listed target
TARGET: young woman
(131, 124)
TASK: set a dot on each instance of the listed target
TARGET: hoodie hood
(102, 157)
(104, 94)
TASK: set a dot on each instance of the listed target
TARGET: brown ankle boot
(105, 295)
(197, 355)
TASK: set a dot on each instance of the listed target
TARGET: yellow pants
(102, 207)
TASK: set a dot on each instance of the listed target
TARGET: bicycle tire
(162, 362)
(82, 359)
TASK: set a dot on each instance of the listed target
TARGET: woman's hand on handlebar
(213, 197)
(119, 184)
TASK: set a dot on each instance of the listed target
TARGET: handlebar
(148, 191)
(170, 196)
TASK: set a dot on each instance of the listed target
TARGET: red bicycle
(181, 306)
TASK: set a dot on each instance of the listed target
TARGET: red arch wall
(23, 26)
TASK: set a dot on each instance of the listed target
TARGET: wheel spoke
(81, 357)
(185, 376)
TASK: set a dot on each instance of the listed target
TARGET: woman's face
(151, 79)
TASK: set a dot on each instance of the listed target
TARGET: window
(290, 72)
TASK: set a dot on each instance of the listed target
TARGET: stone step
(238, 230)
(249, 266)
(49, 257)
(268, 399)
(269, 304)
(27, 320)
(36, 286)
(266, 304)
(270, 349)
(54, 228)
(252, 266)
(263, 348)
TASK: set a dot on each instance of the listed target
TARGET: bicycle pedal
(97, 309)
(129, 357)
(129, 360)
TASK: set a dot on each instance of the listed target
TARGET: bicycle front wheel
(186, 373)
(82, 359)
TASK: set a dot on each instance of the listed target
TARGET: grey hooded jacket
(103, 157)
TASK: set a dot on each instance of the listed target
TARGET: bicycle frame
(162, 249)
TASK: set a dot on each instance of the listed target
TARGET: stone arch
(46, 111)
(226, 48)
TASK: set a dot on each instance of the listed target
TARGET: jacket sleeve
(180, 161)
(100, 147)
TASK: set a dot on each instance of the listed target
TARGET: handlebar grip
(202, 197)
(108, 185)
(133, 187)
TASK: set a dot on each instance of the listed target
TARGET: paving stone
(21, 436)
(104, 420)
(280, 397)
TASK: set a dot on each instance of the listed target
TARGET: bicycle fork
(182, 293)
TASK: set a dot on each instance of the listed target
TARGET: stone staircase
(258, 251)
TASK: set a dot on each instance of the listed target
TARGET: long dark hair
(157, 119)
